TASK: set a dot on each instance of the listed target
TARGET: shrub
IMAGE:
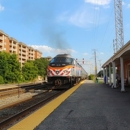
(91, 77)
(1, 80)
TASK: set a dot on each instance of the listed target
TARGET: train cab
(64, 69)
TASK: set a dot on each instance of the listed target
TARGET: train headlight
(65, 71)
(49, 71)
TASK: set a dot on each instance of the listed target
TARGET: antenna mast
(118, 24)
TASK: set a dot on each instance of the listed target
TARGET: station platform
(8, 86)
(87, 106)
(11, 86)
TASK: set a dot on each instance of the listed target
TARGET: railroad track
(10, 116)
(12, 97)
(21, 89)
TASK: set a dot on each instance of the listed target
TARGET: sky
(76, 27)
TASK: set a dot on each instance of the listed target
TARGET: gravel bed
(16, 98)
(7, 112)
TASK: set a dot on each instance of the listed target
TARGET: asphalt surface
(91, 107)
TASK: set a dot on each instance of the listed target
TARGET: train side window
(73, 62)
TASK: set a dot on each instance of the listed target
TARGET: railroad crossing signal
(82, 61)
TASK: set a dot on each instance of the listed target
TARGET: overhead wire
(107, 26)
(95, 21)
(96, 25)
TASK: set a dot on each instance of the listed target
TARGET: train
(63, 69)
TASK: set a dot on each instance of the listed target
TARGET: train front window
(61, 61)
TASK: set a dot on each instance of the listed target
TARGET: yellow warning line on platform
(33, 120)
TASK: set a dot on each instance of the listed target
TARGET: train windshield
(61, 61)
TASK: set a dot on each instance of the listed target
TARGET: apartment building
(24, 52)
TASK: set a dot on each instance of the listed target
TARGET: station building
(119, 63)
(24, 52)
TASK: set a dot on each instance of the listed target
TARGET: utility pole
(119, 41)
(95, 63)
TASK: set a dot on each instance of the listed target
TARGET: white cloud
(1, 8)
(46, 50)
(85, 54)
(83, 17)
(128, 5)
(98, 2)
(106, 6)
(80, 18)
(123, 3)
(97, 8)
(101, 53)
(43, 48)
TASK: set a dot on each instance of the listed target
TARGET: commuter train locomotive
(64, 69)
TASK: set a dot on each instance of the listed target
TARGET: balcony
(22, 49)
(13, 49)
(1, 43)
(12, 44)
(22, 53)
(1, 38)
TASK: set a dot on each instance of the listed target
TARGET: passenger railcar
(64, 69)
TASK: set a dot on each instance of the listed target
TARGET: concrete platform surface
(91, 107)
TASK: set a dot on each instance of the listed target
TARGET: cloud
(128, 5)
(81, 18)
(98, 2)
(1, 8)
(123, 3)
(97, 8)
(101, 53)
(84, 17)
(85, 54)
(46, 50)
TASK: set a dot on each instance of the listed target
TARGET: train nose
(58, 82)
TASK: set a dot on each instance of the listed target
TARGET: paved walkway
(91, 107)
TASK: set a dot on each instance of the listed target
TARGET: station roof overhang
(124, 52)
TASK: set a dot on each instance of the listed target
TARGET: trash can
(96, 80)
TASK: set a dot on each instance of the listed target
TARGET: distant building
(49, 58)
(23, 51)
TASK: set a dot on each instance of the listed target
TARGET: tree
(29, 71)
(100, 73)
(91, 77)
(9, 67)
(1, 80)
(42, 64)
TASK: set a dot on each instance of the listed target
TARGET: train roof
(63, 55)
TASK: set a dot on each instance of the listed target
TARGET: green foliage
(100, 73)
(1, 80)
(30, 71)
(91, 77)
(9, 67)
(42, 66)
